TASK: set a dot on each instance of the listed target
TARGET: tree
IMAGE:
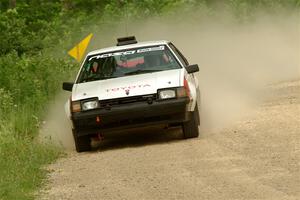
(12, 3)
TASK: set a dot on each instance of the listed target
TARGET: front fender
(68, 112)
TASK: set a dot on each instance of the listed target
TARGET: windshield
(127, 62)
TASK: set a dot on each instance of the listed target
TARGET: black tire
(82, 143)
(190, 128)
(197, 114)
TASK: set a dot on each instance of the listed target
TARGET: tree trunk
(12, 4)
(67, 5)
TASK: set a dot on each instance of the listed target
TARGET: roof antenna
(126, 17)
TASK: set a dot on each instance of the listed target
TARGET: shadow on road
(139, 137)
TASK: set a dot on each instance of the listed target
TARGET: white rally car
(134, 84)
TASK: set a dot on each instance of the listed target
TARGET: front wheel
(82, 143)
(190, 128)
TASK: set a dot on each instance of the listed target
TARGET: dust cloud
(56, 127)
(237, 61)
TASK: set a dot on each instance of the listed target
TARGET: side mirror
(192, 68)
(68, 86)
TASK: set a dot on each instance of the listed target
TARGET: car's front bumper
(133, 115)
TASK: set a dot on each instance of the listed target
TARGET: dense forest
(35, 36)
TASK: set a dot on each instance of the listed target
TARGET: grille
(127, 100)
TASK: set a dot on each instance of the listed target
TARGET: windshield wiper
(141, 71)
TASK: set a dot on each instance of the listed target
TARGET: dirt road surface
(257, 158)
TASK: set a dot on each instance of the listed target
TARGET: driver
(95, 68)
(154, 60)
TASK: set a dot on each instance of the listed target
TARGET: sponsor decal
(128, 88)
(120, 53)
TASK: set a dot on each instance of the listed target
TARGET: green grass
(23, 103)
(21, 160)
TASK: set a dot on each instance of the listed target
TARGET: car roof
(129, 46)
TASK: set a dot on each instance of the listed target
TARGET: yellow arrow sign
(78, 51)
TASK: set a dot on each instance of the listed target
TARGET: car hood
(134, 85)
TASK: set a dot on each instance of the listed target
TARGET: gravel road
(256, 158)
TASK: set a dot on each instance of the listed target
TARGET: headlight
(167, 94)
(172, 93)
(89, 105)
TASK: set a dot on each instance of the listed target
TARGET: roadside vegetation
(35, 36)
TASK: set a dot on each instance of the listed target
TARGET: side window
(179, 55)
